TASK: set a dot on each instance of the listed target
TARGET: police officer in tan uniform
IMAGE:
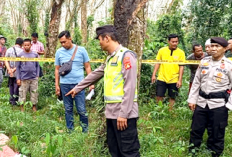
(120, 93)
(208, 98)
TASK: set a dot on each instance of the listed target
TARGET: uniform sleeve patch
(127, 63)
(126, 58)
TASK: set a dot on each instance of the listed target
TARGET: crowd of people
(22, 76)
(209, 85)
(209, 88)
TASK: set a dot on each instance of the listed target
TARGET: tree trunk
(74, 12)
(130, 22)
(53, 30)
(84, 28)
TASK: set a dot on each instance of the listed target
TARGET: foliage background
(161, 133)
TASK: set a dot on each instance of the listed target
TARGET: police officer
(208, 96)
(120, 93)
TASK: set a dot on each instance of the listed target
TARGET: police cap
(221, 41)
(105, 29)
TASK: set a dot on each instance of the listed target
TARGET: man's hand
(13, 70)
(19, 82)
(58, 90)
(11, 73)
(179, 84)
(192, 106)
(72, 92)
(153, 79)
(91, 87)
(121, 123)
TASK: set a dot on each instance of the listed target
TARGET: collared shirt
(211, 76)
(169, 73)
(37, 47)
(193, 67)
(127, 108)
(13, 52)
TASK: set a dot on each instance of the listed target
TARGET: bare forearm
(181, 72)
(7, 65)
(41, 53)
(87, 68)
(57, 77)
(156, 69)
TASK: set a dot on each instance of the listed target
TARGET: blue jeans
(80, 106)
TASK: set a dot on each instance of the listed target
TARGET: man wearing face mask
(170, 75)
(209, 98)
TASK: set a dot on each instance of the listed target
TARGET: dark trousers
(123, 143)
(14, 90)
(215, 120)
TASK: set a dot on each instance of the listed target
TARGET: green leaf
(15, 139)
(60, 141)
(47, 139)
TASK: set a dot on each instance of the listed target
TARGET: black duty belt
(216, 95)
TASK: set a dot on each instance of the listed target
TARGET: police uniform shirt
(127, 108)
(211, 76)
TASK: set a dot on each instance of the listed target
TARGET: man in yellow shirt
(170, 75)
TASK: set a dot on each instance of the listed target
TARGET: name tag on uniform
(114, 61)
(221, 70)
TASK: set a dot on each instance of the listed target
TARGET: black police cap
(105, 29)
(219, 40)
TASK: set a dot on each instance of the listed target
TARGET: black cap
(1, 36)
(221, 41)
(105, 29)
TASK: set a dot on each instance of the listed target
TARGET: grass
(161, 133)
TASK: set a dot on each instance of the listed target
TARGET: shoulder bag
(67, 66)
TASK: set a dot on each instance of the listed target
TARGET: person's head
(27, 44)
(65, 39)
(107, 35)
(2, 40)
(173, 41)
(208, 46)
(197, 50)
(229, 47)
(34, 37)
(19, 41)
(218, 47)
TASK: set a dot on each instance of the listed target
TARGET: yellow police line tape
(101, 60)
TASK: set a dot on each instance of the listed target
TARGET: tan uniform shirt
(127, 108)
(211, 76)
